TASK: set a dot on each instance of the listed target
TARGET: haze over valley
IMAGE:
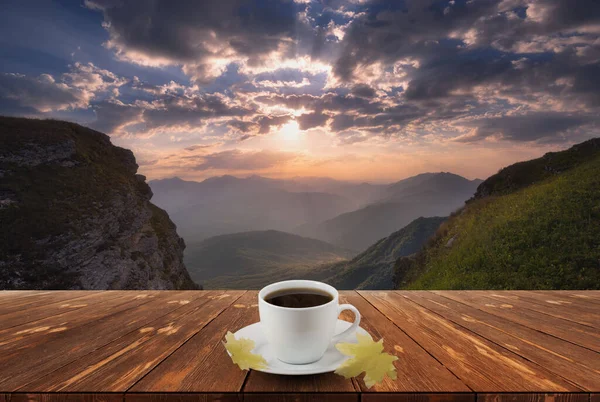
(232, 225)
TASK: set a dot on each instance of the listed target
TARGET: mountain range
(424, 195)
(348, 215)
(533, 225)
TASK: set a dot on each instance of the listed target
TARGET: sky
(350, 89)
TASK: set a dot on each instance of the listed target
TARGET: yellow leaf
(367, 357)
(241, 353)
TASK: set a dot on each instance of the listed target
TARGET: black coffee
(298, 298)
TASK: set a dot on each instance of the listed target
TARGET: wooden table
(475, 346)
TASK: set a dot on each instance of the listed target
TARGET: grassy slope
(251, 260)
(544, 236)
(372, 269)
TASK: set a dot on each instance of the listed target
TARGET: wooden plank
(15, 293)
(322, 383)
(23, 316)
(20, 367)
(173, 397)
(19, 303)
(20, 397)
(30, 334)
(417, 370)
(556, 297)
(202, 364)
(420, 397)
(118, 365)
(568, 330)
(532, 397)
(595, 398)
(589, 296)
(479, 363)
(301, 397)
(576, 312)
(579, 365)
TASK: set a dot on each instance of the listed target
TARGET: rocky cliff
(75, 215)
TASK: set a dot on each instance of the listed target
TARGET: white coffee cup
(302, 335)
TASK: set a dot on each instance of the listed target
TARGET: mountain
(429, 194)
(75, 215)
(534, 225)
(373, 268)
(251, 260)
(228, 204)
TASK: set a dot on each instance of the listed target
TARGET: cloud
(92, 79)
(310, 120)
(412, 70)
(202, 147)
(45, 93)
(528, 127)
(38, 94)
(112, 117)
(203, 37)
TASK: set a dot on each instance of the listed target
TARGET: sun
(290, 131)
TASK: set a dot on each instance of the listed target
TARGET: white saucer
(329, 362)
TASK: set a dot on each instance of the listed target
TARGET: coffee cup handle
(354, 325)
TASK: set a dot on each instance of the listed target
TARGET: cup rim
(332, 290)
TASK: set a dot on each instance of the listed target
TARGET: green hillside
(373, 268)
(251, 260)
(534, 225)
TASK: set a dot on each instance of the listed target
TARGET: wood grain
(590, 296)
(66, 397)
(119, 364)
(33, 314)
(479, 363)
(567, 300)
(302, 397)
(424, 397)
(11, 304)
(20, 367)
(585, 315)
(27, 335)
(579, 365)
(567, 330)
(417, 370)
(532, 398)
(174, 397)
(202, 364)
(464, 346)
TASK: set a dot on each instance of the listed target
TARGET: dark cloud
(196, 34)
(200, 147)
(111, 116)
(167, 112)
(363, 91)
(266, 122)
(529, 127)
(37, 94)
(311, 120)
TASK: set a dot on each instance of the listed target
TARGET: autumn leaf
(241, 353)
(367, 357)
